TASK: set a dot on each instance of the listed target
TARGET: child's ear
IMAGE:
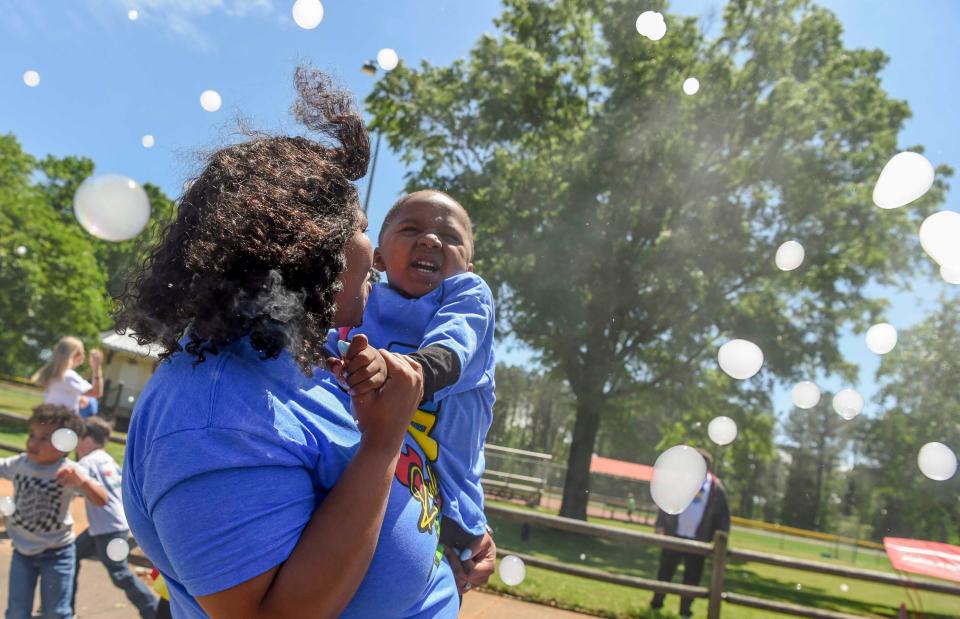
(378, 262)
(469, 267)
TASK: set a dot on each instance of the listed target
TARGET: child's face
(86, 446)
(428, 241)
(39, 448)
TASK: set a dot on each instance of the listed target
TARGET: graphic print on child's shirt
(39, 504)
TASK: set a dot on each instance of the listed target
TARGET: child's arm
(6, 465)
(361, 369)
(72, 476)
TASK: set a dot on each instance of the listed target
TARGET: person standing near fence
(61, 383)
(706, 514)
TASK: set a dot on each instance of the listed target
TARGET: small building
(127, 366)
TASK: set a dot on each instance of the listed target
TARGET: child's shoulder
(467, 284)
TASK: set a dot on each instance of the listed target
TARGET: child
(62, 385)
(436, 310)
(41, 528)
(108, 522)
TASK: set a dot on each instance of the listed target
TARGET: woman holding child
(247, 481)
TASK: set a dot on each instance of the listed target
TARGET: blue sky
(106, 81)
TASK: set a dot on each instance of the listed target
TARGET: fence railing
(717, 551)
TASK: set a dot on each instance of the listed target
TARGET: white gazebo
(127, 366)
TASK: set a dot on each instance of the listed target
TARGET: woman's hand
(475, 571)
(384, 415)
(96, 359)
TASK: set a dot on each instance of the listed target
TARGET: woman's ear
(378, 262)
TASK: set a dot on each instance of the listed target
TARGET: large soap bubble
(307, 13)
(118, 549)
(7, 506)
(722, 430)
(31, 78)
(111, 207)
(677, 476)
(881, 338)
(937, 461)
(210, 100)
(940, 238)
(740, 359)
(652, 25)
(64, 440)
(906, 177)
(387, 59)
(805, 394)
(789, 256)
(951, 275)
(848, 403)
(691, 85)
(512, 570)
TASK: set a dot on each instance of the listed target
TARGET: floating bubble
(31, 78)
(799, 587)
(848, 403)
(210, 100)
(677, 476)
(881, 338)
(148, 141)
(906, 177)
(583, 556)
(740, 359)
(691, 85)
(951, 275)
(652, 25)
(512, 570)
(130, 399)
(937, 461)
(806, 394)
(307, 13)
(844, 587)
(133, 14)
(789, 256)
(722, 430)
(7, 506)
(111, 207)
(21, 250)
(940, 238)
(64, 440)
(387, 59)
(118, 549)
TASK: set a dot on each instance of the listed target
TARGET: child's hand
(70, 476)
(362, 368)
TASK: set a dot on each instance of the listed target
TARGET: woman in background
(61, 382)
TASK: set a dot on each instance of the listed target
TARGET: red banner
(927, 558)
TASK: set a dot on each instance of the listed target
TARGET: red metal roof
(621, 468)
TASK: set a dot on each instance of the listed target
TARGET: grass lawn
(19, 399)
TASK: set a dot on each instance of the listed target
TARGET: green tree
(629, 229)
(921, 404)
(532, 412)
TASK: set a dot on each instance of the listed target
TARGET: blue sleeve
(464, 324)
(225, 527)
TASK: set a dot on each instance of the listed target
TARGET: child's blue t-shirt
(452, 426)
(226, 462)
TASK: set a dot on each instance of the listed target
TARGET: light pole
(370, 68)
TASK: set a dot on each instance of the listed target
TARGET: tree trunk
(576, 486)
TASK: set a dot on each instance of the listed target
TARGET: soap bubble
(848, 403)
(130, 399)
(844, 587)
(740, 359)
(118, 549)
(307, 13)
(148, 141)
(881, 338)
(799, 587)
(387, 59)
(722, 430)
(31, 78)
(64, 440)
(906, 177)
(583, 556)
(7, 506)
(512, 570)
(951, 275)
(652, 25)
(111, 207)
(21, 250)
(133, 14)
(691, 85)
(940, 238)
(677, 476)
(937, 461)
(806, 394)
(789, 256)
(210, 100)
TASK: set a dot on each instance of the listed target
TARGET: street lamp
(370, 68)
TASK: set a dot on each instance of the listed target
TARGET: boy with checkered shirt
(41, 528)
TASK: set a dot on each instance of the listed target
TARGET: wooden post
(719, 571)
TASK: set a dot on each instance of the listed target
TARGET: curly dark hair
(58, 416)
(258, 241)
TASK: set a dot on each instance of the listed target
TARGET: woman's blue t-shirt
(226, 461)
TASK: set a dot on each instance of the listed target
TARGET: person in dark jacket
(706, 514)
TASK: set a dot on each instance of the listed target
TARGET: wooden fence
(718, 551)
